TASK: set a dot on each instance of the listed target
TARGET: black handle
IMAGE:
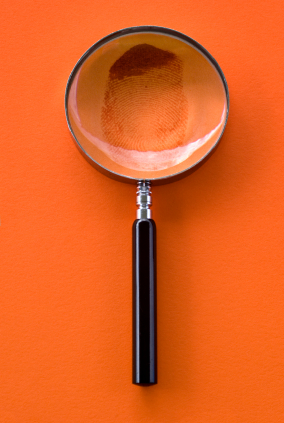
(144, 303)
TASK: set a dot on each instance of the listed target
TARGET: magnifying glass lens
(147, 105)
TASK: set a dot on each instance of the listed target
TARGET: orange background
(65, 301)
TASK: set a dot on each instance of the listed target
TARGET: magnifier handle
(144, 303)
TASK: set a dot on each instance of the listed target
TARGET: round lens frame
(136, 30)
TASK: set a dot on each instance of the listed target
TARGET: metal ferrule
(144, 200)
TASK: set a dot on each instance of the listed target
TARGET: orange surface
(65, 301)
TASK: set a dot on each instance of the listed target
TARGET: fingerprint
(145, 108)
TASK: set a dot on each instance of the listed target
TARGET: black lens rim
(135, 30)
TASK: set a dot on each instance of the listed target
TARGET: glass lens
(146, 105)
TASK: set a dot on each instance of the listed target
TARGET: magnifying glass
(146, 105)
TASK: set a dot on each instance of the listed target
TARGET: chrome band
(143, 200)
